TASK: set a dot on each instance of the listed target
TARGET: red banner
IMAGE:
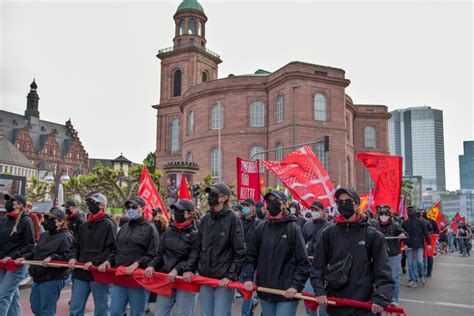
(150, 194)
(386, 172)
(456, 221)
(183, 192)
(436, 215)
(248, 182)
(433, 239)
(304, 176)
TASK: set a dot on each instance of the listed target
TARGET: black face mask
(260, 214)
(9, 206)
(345, 208)
(274, 208)
(213, 199)
(50, 225)
(179, 216)
(68, 211)
(93, 207)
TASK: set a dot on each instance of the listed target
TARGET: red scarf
(181, 226)
(96, 217)
(72, 215)
(341, 219)
(13, 215)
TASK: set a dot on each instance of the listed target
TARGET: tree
(38, 191)
(150, 162)
(407, 190)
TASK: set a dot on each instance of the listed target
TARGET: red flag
(183, 189)
(304, 176)
(386, 172)
(456, 221)
(248, 183)
(436, 215)
(150, 194)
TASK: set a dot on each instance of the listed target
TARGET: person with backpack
(351, 261)
(218, 252)
(93, 243)
(279, 255)
(393, 233)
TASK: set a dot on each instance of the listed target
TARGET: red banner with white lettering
(304, 176)
(248, 181)
(386, 172)
(150, 194)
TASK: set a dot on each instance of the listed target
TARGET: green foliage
(38, 191)
(150, 162)
(408, 191)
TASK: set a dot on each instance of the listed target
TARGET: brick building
(254, 112)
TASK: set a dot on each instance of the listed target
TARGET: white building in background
(13, 162)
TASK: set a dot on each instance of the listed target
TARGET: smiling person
(137, 244)
(350, 261)
(54, 244)
(219, 252)
(17, 240)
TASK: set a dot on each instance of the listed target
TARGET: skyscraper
(466, 166)
(416, 134)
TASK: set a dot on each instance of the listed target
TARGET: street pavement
(450, 291)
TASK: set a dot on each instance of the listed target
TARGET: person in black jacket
(173, 253)
(93, 243)
(417, 235)
(363, 248)
(219, 252)
(393, 233)
(137, 244)
(295, 209)
(432, 228)
(74, 218)
(54, 245)
(17, 240)
(279, 255)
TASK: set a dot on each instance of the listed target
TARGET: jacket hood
(287, 218)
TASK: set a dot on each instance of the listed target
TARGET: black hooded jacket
(391, 229)
(55, 245)
(279, 256)
(312, 232)
(370, 276)
(219, 250)
(417, 232)
(249, 226)
(137, 241)
(21, 243)
(75, 222)
(175, 246)
(94, 242)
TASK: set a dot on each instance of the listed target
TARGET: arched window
(215, 163)
(279, 109)
(256, 153)
(278, 152)
(349, 129)
(349, 172)
(189, 157)
(320, 107)
(181, 27)
(191, 26)
(190, 122)
(370, 138)
(257, 114)
(174, 135)
(200, 28)
(205, 76)
(216, 116)
(177, 83)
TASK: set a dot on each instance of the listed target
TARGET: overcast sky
(94, 61)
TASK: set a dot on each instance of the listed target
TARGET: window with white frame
(257, 114)
(181, 27)
(191, 26)
(279, 109)
(174, 135)
(216, 116)
(278, 152)
(215, 163)
(189, 157)
(190, 122)
(320, 110)
(370, 138)
(321, 154)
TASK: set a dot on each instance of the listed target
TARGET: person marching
(351, 261)
(173, 253)
(35, 219)
(74, 219)
(219, 252)
(295, 209)
(279, 255)
(17, 240)
(137, 244)
(94, 241)
(393, 233)
(54, 244)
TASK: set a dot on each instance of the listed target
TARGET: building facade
(466, 166)
(417, 135)
(53, 149)
(206, 122)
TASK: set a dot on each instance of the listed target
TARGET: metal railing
(190, 44)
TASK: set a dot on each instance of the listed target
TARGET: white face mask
(292, 210)
(315, 215)
(384, 218)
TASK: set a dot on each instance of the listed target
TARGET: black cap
(249, 202)
(70, 203)
(136, 200)
(258, 205)
(15, 197)
(352, 193)
(183, 205)
(278, 194)
(219, 188)
(317, 204)
(56, 213)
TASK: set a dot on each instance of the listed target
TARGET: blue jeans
(395, 265)
(279, 308)
(321, 311)
(216, 301)
(247, 304)
(415, 265)
(80, 294)
(137, 297)
(451, 239)
(184, 303)
(44, 297)
(9, 294)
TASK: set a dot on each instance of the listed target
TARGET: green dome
(190, 4)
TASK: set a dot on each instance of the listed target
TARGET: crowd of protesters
(274, 244)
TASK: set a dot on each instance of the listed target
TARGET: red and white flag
(149, 193)
(248, 182)
(304, 176)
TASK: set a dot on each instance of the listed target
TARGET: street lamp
(65, 178)
(295, 86)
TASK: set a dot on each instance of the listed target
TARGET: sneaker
(404, 270)
(411, 284)
(394, 304)
(423, 280)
